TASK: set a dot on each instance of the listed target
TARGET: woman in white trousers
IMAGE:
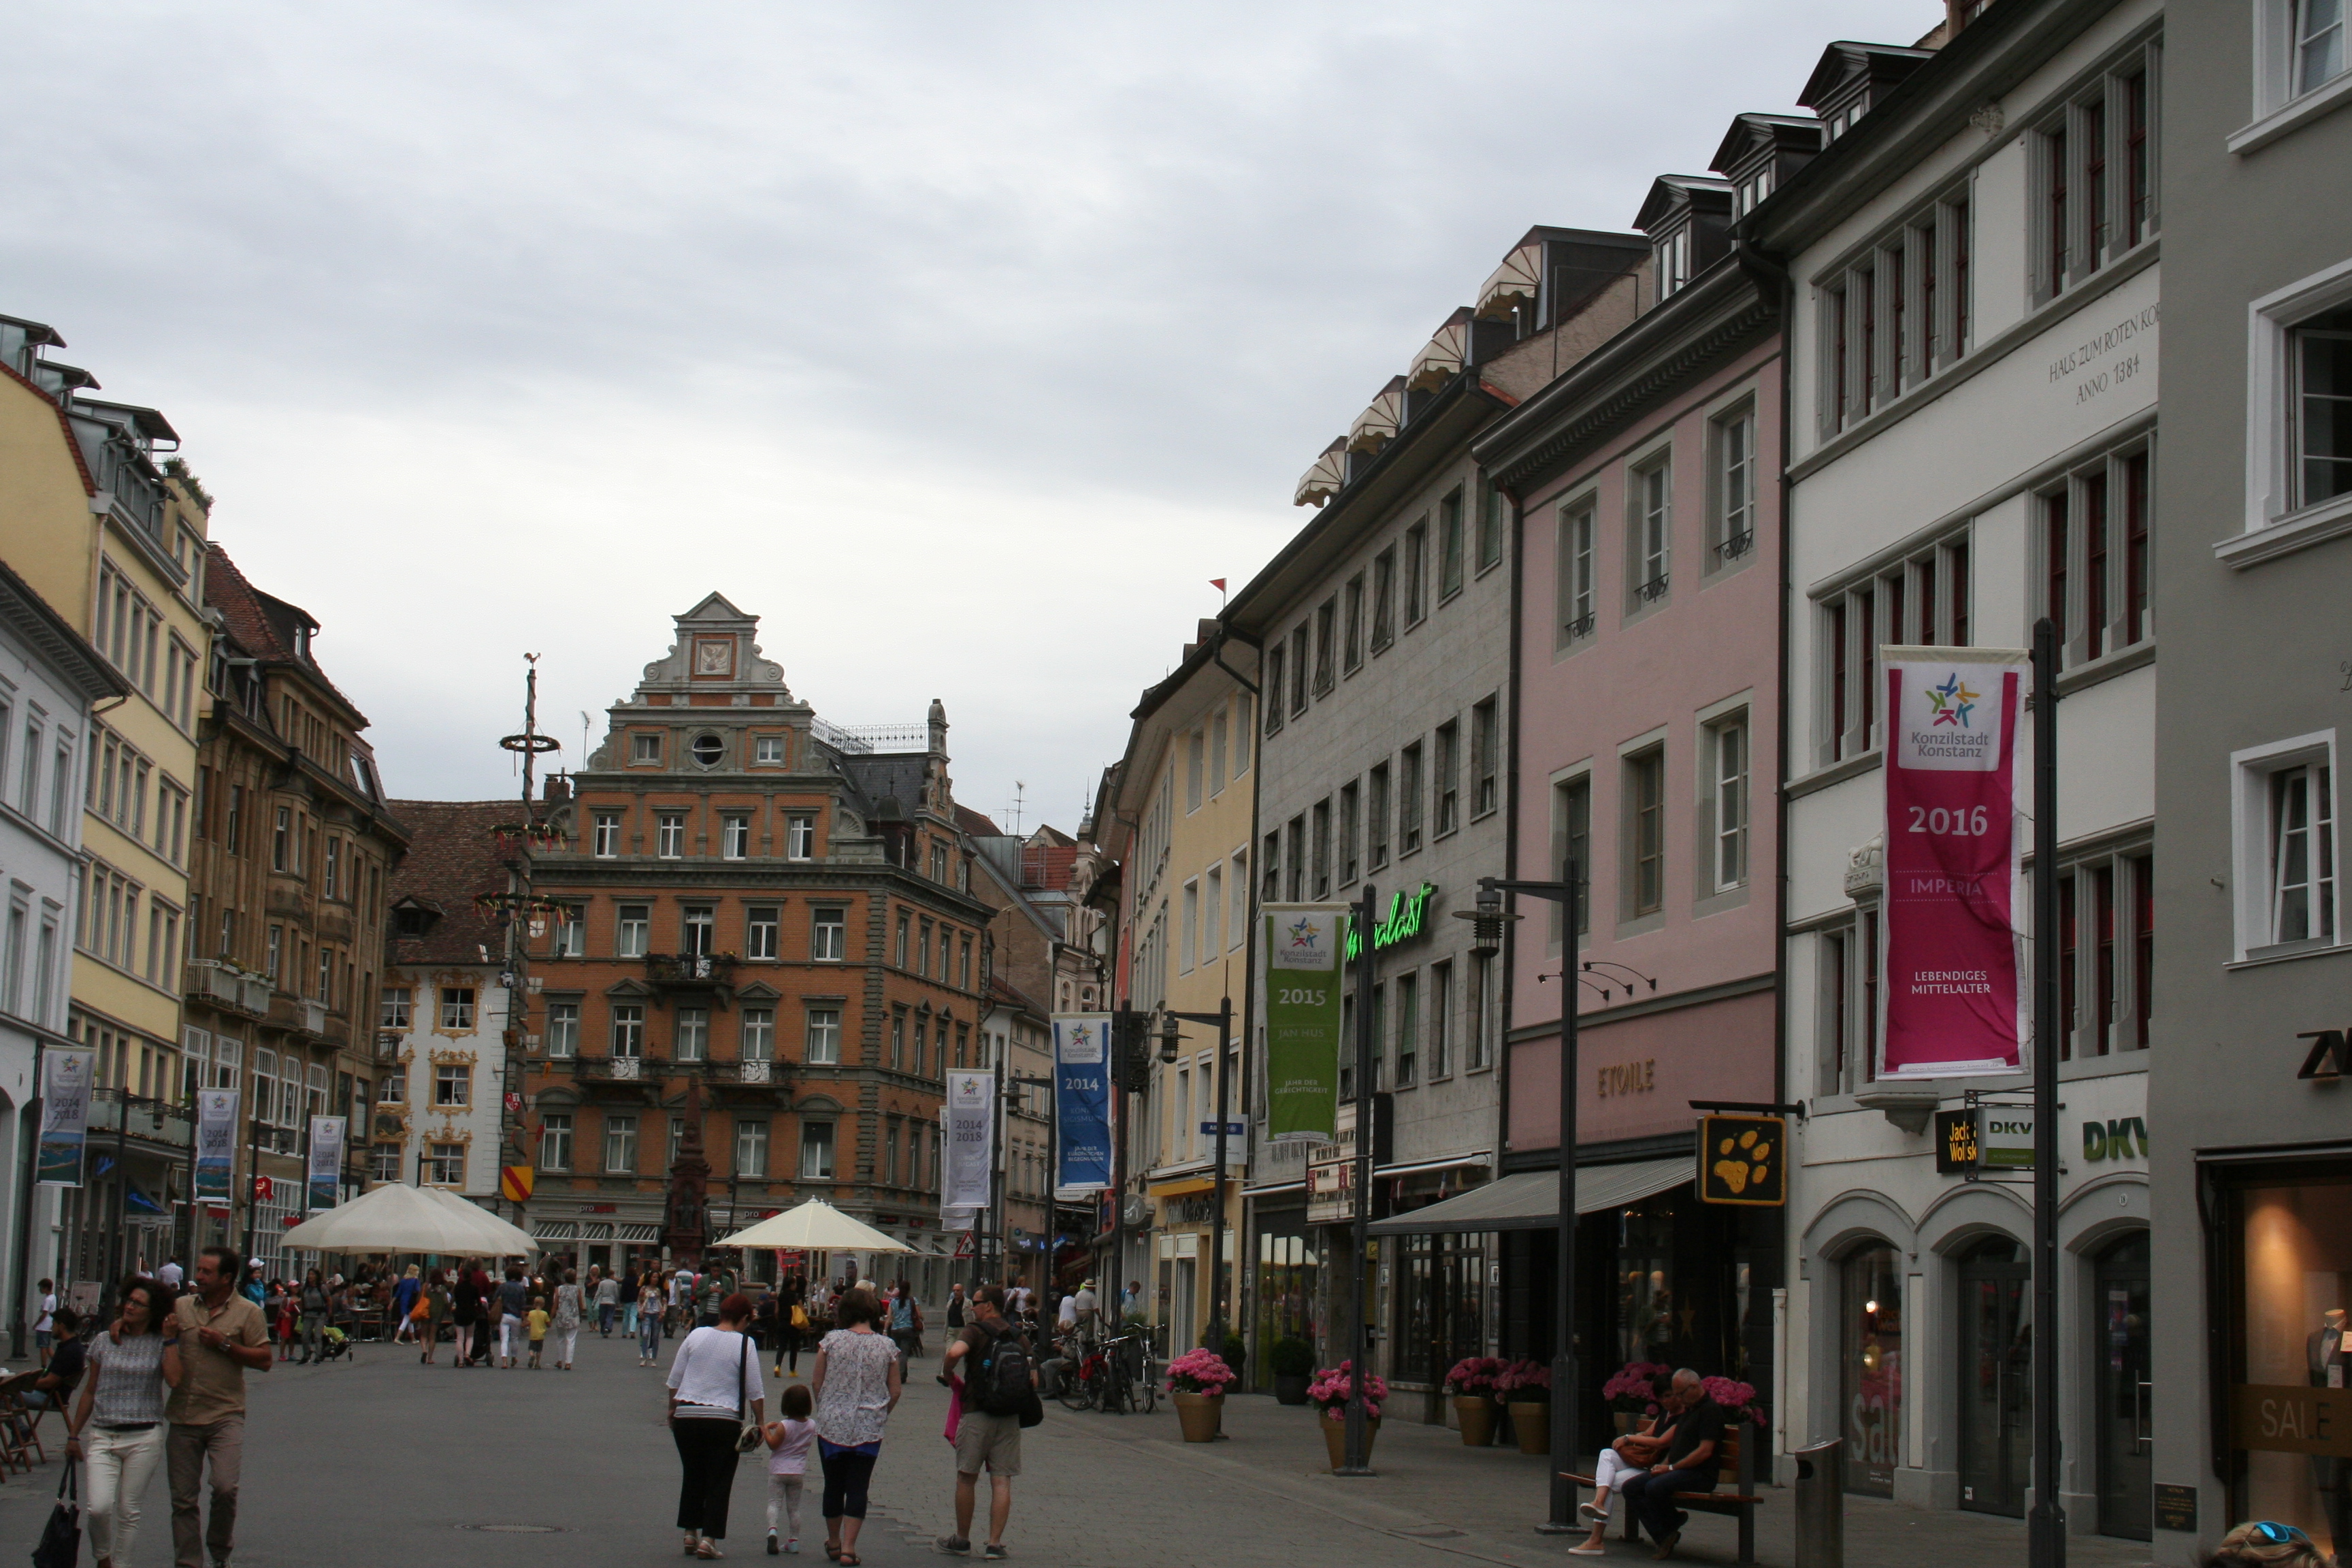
(117, 1429)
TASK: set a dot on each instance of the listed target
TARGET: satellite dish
(1136, 1212)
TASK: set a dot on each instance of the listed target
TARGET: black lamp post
(1171, 1041)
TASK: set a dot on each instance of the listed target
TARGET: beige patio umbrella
(396, 1218)
(814, 1226)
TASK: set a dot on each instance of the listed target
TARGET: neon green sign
(1406, 911)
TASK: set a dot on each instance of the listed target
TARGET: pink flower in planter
(1474, 1374)
(1333, 1384)
(1199, 1372)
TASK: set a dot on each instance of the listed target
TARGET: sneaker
(1588, 1551)
(1593, 1512)
(994, 1549)
(1665, 1548)
(771, 1543)
(953, 1545)
(794, 1546)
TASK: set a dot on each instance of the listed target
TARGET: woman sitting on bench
(1630, 1455)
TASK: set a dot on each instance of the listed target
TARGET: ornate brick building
(758, 930)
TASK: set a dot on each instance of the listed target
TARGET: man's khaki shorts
(991, 1440)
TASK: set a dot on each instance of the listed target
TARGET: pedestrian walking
(792, 1330)
(466, 1310)
(513, 1301)
(714, 1383)
(404, 1297)
(45, 1326)
(856, 1386)
(314, 1314)
(999, 1387)
(607, 1296)
(116, 1428)
(220, 1338)
(251, 1288)
(570, 1301)
(788, 1449)
(649, 1321)
(436, 1313)
(537, 1321)
(169, 1277)
(955, 1306)
(906, 1322)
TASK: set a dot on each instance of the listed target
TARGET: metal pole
(1564, 1392)
(252, 1173)
(1120, 1030)
(1047, 1244)
(29, 1123)
(2046, 1527)
(1217, 1329)
(1358, 1340)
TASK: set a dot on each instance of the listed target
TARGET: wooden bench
(1738, 1461)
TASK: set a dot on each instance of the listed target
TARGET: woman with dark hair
(857, 1385)
(436, 1313)
(2268, 1545)
(714, 1383)
(117, 1427)
(466, 1310)
(314, 1313)
(571, 1301)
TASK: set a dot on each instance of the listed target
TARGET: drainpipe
(1249, 955)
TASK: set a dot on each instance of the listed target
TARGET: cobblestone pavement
(388, 1462)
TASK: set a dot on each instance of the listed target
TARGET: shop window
(2292, 1263)
(1870, 1358)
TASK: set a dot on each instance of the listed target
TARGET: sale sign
(1948, 944)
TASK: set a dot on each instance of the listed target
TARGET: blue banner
(1082, 1102)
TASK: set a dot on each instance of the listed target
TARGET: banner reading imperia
(1299, 978)
(971, 1139)
(1082, 1100)
(1948, 944)
(326, 1167)
(215, 1141)
(65, 1117)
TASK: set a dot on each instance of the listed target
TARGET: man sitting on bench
(1629, 1455)
(1691, 1463)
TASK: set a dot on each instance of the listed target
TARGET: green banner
(1301, 970)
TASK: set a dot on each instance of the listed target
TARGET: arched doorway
(2123, 1428)
(1994, 1378)
(1870, 1352)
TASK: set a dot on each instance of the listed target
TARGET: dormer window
(1672, 253)
(1752, 191)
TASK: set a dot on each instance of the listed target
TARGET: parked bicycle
(1115, 1377)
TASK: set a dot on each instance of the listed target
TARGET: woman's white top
(715, 1373)
(855, 1402)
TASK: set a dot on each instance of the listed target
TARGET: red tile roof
(262, 624)
(976, 822)
(452, 857)
(1047, 866)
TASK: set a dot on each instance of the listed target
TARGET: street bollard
(1820, 1505)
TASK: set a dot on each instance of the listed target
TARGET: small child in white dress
(788, 1451)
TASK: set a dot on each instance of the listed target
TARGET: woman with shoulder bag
(793, 1326)
(716, 1408)
(117, 1426)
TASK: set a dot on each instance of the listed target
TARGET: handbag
(800, 1316)
(60, 1544)
(747, 1434)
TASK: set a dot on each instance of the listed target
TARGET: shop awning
(1531, 1199)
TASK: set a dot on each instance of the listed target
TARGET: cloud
(963, 342)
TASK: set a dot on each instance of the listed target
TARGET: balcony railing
(1735, 546)
(225, 985)
(619, 1069)
(762, 1073)
(114, 1111)
(309, 1016)
(691, 968)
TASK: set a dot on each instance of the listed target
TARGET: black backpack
(1002, 1384)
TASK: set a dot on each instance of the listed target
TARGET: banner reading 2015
(1948, 940)
(1082, 1100)
(1300, 973)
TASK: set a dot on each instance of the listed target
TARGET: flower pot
(1626, 1421)
(1477, 1414)
(1531, 1419)
(1290, 1388)
(1199, 1414)
(1335, 1438)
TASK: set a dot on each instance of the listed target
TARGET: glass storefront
(1287, 1287)
(1441, 1304)
(2291, 1296)
(1870, 1284)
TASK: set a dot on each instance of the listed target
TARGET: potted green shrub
(1293, 1361)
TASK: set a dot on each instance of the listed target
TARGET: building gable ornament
(451, 1056)
(1865, 868)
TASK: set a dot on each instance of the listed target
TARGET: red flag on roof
(1218, 583)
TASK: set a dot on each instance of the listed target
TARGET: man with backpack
(1000, 1390)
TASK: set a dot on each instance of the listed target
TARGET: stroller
(334, 1344)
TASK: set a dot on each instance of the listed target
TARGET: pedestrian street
(383, 1461)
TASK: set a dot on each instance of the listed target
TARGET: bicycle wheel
(1148, 1391)
(1074, 1394)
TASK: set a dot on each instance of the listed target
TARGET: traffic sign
(1743, 1161)
(1232, 1128)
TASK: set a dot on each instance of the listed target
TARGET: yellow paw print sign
(1743, 1159)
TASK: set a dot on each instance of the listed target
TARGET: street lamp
(1170, 1039)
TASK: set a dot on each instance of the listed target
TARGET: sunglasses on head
(2280, 1534)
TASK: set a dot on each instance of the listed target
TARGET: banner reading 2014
(1082, 1100)
(1299, 979)
(972, 1140)
(1948, 940)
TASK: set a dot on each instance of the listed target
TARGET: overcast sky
(961, 342)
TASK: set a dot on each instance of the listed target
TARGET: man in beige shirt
(220, 1334)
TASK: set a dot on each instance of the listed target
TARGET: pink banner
(1951, 954)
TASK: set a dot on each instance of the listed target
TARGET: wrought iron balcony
(763, 1074)
(309, 1016)
(113, 1111)
(1651, 592)
(619, 1069)
(690, 970)
(1737, 545)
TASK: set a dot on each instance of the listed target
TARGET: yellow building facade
(91, 519)
(1182, 823)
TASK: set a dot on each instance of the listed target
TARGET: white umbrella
(396, 1218)
(816, 1226)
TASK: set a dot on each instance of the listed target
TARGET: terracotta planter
(1290, 1388)
(1626, 1421)
(1531, 1420)
(1200, 1414)
(1477, 1414)
(1335, 1438)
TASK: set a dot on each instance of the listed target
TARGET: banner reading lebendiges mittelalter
(1948, 944)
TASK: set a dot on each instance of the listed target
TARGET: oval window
(708, 750)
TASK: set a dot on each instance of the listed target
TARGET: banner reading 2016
(1299, 978)
(1082, 1100)
(1947, 939)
